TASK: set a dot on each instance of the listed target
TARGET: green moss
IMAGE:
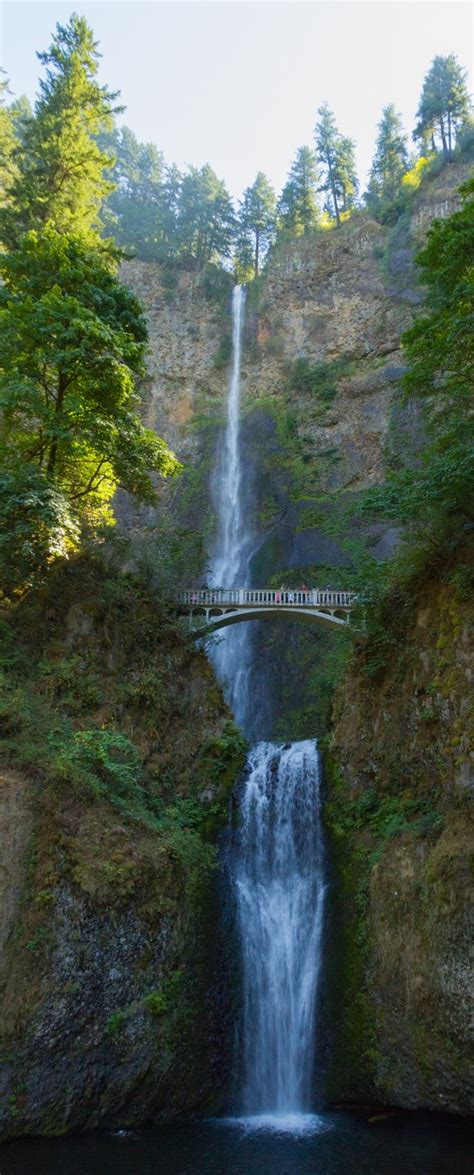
(115, 1023)
(156, 1003)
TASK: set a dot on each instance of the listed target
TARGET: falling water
(229, 563)
(276, 856)
(278, 873)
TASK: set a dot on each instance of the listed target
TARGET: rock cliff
(122, 756)
(399, 811)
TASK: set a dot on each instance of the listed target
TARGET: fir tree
(205, 223)
(337, 156)
(298, 209)
(444, 104)
(61, 175)
(256, 224)
(390, 161)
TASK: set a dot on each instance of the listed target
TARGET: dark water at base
(343, 1144)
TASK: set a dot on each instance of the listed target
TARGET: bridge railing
(240, 597)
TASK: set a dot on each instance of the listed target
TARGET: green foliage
(60, 166)
(156, 1003)
(297, 209)
(224, 352)
(433, 498)
(162, 214)
(390, 161)
(255, 227)
(444, 104)
(318, 379)
(336, 154)
(73, 345)
(115, 1023)
(37, 525)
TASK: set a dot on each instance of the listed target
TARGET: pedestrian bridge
(218, 607)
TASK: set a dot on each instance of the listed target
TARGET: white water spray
(278, 873)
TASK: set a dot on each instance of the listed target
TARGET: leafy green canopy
(435, 501)
(73, 338)
(73, 344)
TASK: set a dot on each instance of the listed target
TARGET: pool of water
(325, 1144)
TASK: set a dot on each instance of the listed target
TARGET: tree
(444, 104)
(256, 223)
(206, 220)
(298, 210)
(390, 161)
(73, 343)
(136, 204)
(61, 168)
(337, 156)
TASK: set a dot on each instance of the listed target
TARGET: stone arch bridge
(216, 608)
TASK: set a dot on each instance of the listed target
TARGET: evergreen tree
(390, 161)
(256, 224)
(346, 171)
(444, 104)
(61, 166)
(337, 156)
(297, 209)
(136, 204)
(205, 224)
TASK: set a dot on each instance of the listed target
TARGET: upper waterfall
(227, 483)
(229, 560)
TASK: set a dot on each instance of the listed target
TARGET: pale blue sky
(238, 84)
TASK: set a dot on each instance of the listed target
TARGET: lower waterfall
(277, 869)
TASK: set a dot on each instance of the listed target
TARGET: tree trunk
(443, 137)
(53, 452)
(449, 134)
(332, 184)
(257, 249)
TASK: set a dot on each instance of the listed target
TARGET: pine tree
(444, 104)
(256, 224)
(61, 166)
(298, 209)
(337, 156)
(390, 161)
(206, 218)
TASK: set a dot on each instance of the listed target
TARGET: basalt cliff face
(399, 812)
(113, 1009)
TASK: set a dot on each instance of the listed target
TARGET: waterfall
(229, 561)
(276, 852)
(277, 868)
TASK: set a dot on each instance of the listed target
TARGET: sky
(238, 84)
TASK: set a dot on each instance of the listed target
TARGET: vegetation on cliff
(74, 338)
